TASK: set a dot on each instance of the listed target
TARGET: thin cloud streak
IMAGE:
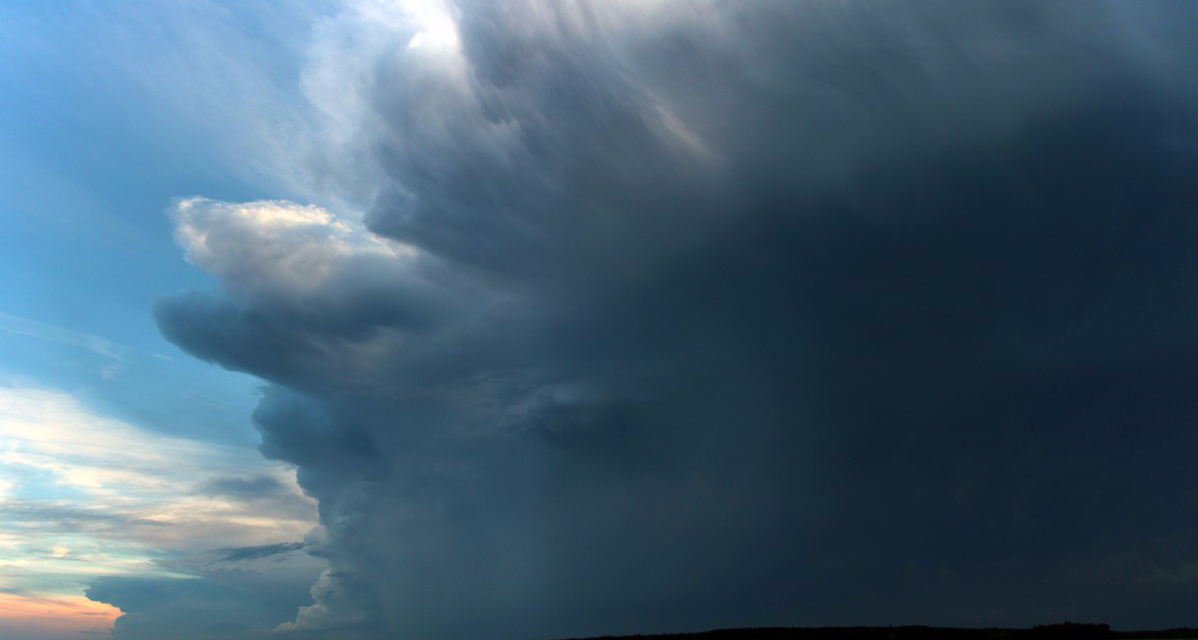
(118, 353)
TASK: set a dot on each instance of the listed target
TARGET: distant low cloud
(30, 616)
(239, 604)
(680, 315)
(83, 495)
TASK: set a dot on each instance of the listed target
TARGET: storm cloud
(679, 315)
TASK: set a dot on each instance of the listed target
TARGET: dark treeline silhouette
(1063, 631)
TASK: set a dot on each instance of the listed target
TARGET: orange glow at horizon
(57, 614)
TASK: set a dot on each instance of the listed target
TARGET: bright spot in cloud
(434, 21)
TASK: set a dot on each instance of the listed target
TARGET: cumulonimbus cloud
(678, 315)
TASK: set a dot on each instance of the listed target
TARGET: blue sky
(110, 111)
(448, 319)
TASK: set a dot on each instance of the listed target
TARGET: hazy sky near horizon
(449, 319)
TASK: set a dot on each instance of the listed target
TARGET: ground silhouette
(1063, 631)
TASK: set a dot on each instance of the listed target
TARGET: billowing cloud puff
(678, 315)
(290, 269)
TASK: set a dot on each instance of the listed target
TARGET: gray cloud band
(685, 315)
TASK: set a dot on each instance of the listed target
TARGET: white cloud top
(277, 246)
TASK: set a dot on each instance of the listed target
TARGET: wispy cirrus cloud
(116, 354)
